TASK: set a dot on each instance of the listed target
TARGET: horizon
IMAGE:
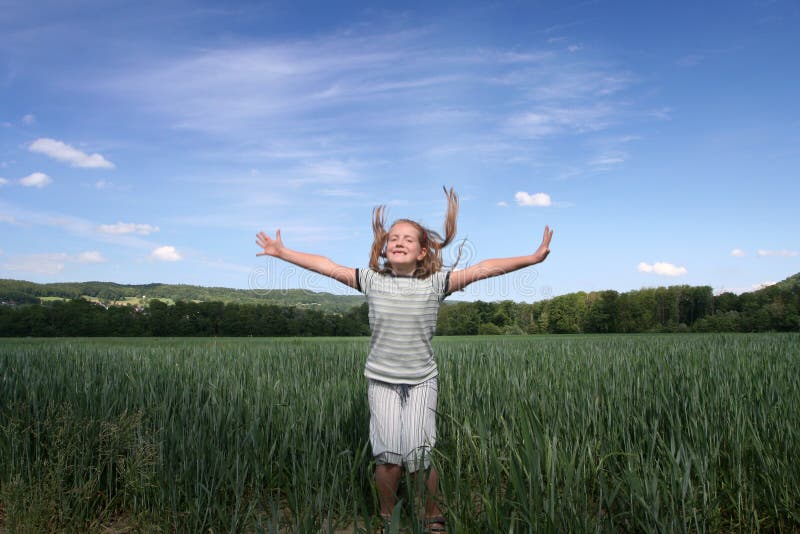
(659, 142)
(355, 294)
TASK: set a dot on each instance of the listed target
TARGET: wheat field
(608, 433)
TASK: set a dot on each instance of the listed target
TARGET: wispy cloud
(738, 253)
(608, 159)
(71, 224)
(690, 60)
(49, 263)
(778, 253)
(664, 113)
(128, 228)
(662, 269)
(90, 257)
(63, 152)
(325, 172)
(547, 121)
(345, 95)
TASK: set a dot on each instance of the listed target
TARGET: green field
(541, 433)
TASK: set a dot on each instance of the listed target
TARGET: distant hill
(23, 292)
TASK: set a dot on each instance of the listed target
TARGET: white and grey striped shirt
(402, 314)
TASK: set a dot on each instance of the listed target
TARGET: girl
(404, 286)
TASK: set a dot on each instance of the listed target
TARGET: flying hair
(430, 241)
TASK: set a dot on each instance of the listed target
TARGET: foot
(386, 525)
(435, 523)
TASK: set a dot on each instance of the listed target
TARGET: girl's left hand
(272, 247)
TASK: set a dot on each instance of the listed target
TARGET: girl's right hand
(272, 247)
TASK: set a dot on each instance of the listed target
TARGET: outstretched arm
(312, 262)
(495, 267)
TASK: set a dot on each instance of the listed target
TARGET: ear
(422, 254)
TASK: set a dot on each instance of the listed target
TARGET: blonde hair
(430, 241)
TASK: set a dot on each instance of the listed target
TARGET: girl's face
(403, 248)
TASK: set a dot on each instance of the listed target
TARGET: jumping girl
(404, 286)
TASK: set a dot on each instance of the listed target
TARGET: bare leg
(432, 505)
(431, 490)
(387, 480)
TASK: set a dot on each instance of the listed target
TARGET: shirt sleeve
(442, 284)
(364, 280)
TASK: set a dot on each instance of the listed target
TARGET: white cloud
(536, 199)
(7, 219)
(165, 253)
(128, 228)
(29, 119)
(503, 204)
(90, 257)
(37, 179)
(661, 268)
(3, 181)
(779, 253)
(64, 152)
(738, 253)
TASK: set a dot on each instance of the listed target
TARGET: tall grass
(630, 433)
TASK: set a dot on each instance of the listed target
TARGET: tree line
(663, 309)
(80, 317)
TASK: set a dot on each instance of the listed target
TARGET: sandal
(436, 523)
(387, 524)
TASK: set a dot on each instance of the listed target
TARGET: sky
(148, 142)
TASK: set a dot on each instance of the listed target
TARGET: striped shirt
(402, 315)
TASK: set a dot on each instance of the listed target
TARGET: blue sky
(149, 141)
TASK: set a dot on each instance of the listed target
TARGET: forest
(663, 309)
